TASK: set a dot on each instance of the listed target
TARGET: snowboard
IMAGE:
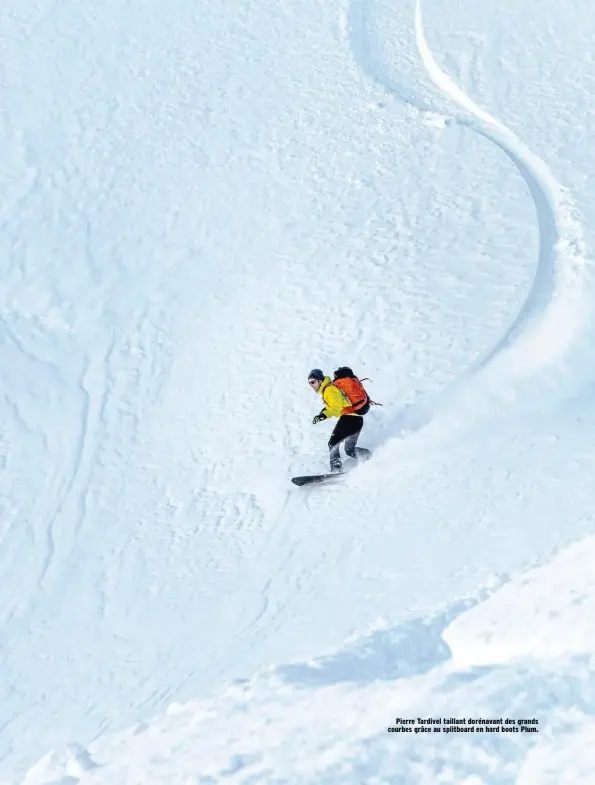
(310, 479)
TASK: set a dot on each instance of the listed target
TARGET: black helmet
(317, 374)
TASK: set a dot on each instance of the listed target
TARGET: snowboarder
(346, 399)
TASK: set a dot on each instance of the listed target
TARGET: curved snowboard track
(557, 284)
(551, 313)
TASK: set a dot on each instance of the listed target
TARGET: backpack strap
(374, 403)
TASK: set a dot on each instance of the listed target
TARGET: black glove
(319, 418)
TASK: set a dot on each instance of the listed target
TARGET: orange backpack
(353, 389)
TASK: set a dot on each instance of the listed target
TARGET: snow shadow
(559, 695)
(410, 418)
(409, 649)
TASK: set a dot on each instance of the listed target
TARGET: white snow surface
(201, 201)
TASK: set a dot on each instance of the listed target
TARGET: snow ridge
(325, 720)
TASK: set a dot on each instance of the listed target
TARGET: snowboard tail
(310, 479)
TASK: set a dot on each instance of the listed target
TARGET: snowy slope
(200, 204)
(327, 720)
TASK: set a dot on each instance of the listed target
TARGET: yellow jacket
(335, 399)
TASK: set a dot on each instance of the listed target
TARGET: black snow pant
(346, 432)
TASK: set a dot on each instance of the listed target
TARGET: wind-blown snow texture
(201, 202)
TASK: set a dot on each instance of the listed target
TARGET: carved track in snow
(551, 314)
